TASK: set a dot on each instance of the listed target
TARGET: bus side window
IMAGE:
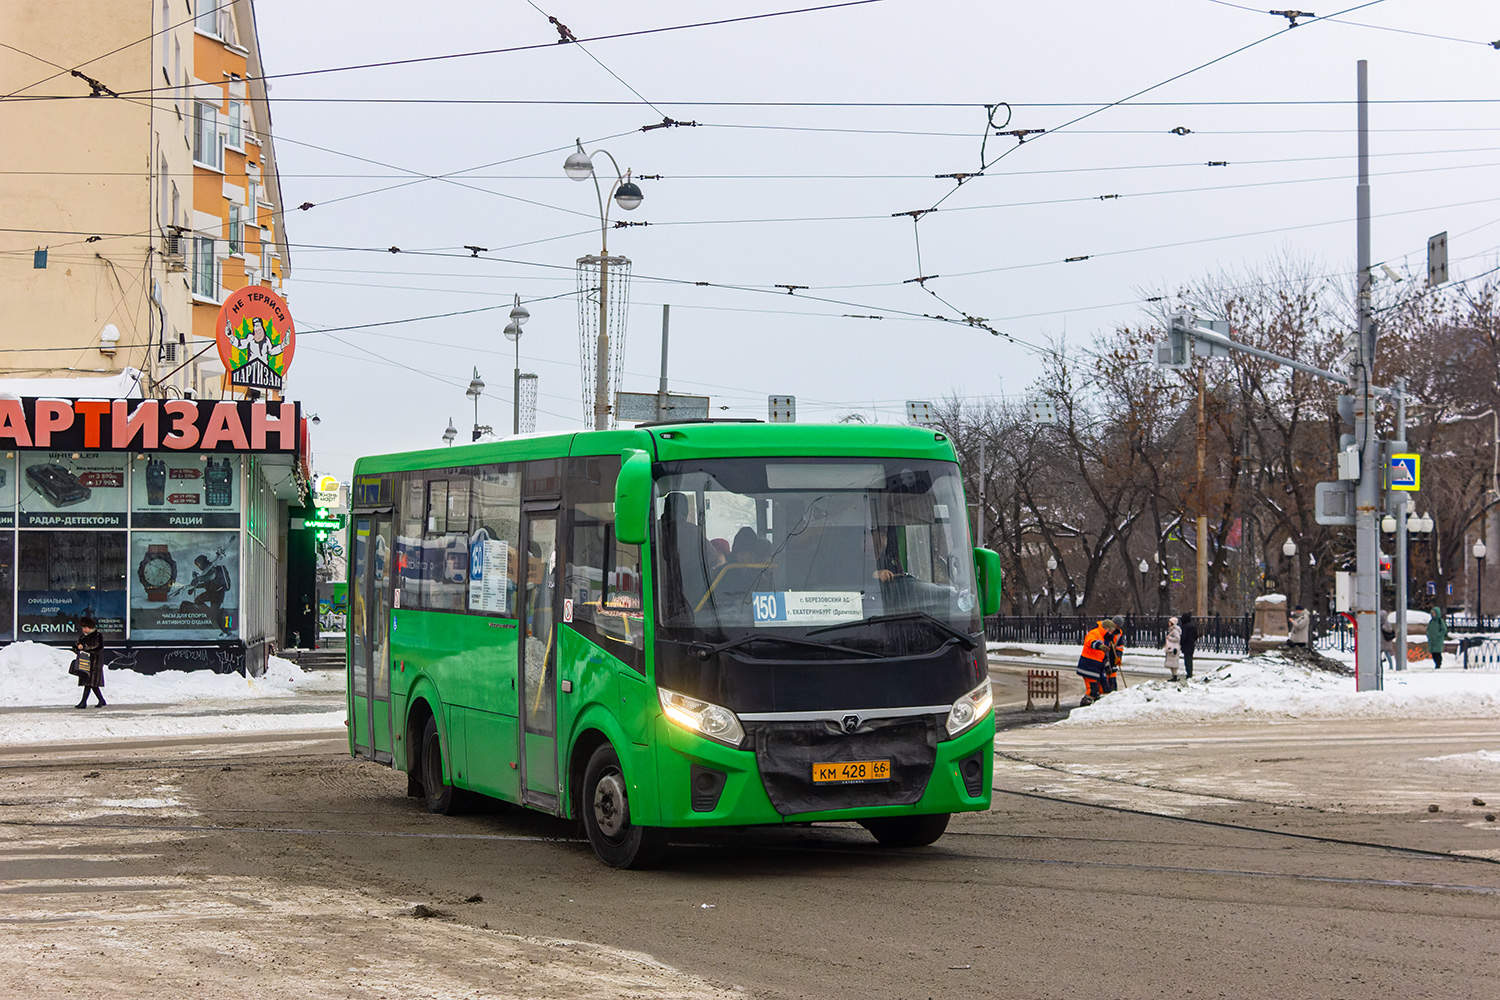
(410, 510)
(603, 575)
(495, 534)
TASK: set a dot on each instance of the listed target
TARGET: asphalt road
(277, 867)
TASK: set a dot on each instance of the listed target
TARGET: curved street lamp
(519, 314)
(474, 391)
(627, 194)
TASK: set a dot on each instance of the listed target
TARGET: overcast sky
(760, 196)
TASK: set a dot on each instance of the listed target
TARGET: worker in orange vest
(1096, 661)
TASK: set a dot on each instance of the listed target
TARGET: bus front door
(538, 650)
(370, 616)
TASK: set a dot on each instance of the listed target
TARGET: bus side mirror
(987, 562)
(633, 497)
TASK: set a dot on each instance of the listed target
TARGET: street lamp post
(450, 433)
(1478, 552)
(1051, 591)
(627, 194)
(1289, 549)
(1145, 568)
(518, 317)
(474, 391)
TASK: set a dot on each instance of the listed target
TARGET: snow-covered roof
(125, 385)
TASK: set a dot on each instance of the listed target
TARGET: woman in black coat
(92, 643)
(1189, 641)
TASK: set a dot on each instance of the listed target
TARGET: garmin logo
(46, 627)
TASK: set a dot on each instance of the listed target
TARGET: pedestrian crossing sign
(1405, 472)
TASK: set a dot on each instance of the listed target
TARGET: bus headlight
(970, 709)
(713, 721)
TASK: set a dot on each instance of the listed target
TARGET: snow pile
(1477, 757)
(35, 675)
(1270, 688)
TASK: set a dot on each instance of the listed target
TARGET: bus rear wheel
(606, 816)
(439, 794)
(907, 831)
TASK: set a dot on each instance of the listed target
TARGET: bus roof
(677, 442)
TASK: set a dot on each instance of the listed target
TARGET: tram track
(830, 849)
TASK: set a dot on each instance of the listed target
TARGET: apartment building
(136, 190)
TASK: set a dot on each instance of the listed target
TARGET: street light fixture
(518, 317)
(474, 391)
(1478, 552)
(627, 194)
(450, 433)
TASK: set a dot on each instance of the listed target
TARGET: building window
(161, 190)
(208, 17)
(166, 23)
(176, 204)
(235, 136)
(177, 74)
(204, 268)
(253, 200)
(208, 144)
(236, 231)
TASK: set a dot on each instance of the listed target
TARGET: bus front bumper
(703, 783)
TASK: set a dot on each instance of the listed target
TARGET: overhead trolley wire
(1358, 24)
(640, 32)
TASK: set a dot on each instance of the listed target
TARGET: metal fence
(1232, 635)
(1215, 635)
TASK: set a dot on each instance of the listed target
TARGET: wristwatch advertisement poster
(185, 491)
(184, 584)
(70, 489)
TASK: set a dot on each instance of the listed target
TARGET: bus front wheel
(606, 816)
(907, 831)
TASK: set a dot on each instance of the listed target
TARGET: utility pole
(1202, 503)
(1399, 565)
(1368, 492)
(1362, 457)
(979, 521)
(661, 387)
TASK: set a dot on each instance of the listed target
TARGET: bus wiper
(703, 650)
(961, 637)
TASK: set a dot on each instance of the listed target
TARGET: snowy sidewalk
(38, 695)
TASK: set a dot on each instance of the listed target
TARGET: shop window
(65, 575)
(185, 584)
(7, 585)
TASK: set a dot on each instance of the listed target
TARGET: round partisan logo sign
(256, 338)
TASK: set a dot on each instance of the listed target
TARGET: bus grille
(787, 751)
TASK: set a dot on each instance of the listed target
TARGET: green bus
(677, 626)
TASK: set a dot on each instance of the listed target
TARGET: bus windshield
(781, 547)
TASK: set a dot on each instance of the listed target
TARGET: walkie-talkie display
(218, 484)
(156, 482)
(57, 485)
